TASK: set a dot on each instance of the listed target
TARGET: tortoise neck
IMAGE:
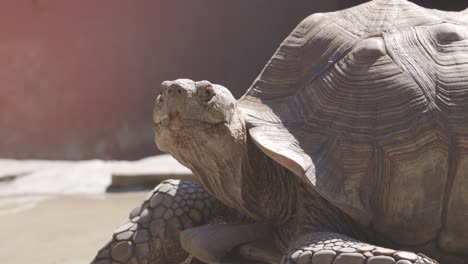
(219, 167)
(272, 193)
(268, 189)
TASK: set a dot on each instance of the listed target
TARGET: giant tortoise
(351, 146)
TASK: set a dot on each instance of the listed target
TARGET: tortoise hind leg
(332, 248)
(151, 235)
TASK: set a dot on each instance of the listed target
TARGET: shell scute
(413, 177)
(370, 47)
(446, 33)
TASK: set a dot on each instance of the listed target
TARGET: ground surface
(60, 229)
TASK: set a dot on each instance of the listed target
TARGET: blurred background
(77, 83)
(78, 78)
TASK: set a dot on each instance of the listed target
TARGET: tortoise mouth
(178, 124)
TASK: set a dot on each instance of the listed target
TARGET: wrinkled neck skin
(214, 155)
(230, 166)
(275, 194)
(269, 190)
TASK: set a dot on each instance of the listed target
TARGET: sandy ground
(60, 229)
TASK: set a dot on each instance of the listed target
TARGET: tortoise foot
(217, 243)
(151, 235)
(331, 248)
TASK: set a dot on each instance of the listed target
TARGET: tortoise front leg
(332, 248)
(151, 235)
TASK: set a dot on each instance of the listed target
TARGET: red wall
(78, 78)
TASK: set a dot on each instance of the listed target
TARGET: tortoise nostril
(179, 91)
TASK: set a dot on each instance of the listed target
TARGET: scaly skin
(332, 248)
(152, 233)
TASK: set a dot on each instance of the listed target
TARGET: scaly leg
(151, 235)
(332, 248)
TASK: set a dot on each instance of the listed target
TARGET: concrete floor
(60, 229)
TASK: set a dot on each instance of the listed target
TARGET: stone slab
(88, 176)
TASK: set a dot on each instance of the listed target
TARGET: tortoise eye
(205, 91)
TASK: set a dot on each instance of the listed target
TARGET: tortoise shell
(369, 106)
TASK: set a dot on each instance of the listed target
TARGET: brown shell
(370, 106)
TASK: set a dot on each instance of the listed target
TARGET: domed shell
(369, 106)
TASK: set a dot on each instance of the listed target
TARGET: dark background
(78, 78)
(453, 5)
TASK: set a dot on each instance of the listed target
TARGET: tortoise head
(197, 120)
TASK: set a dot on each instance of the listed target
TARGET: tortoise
(351, 146)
